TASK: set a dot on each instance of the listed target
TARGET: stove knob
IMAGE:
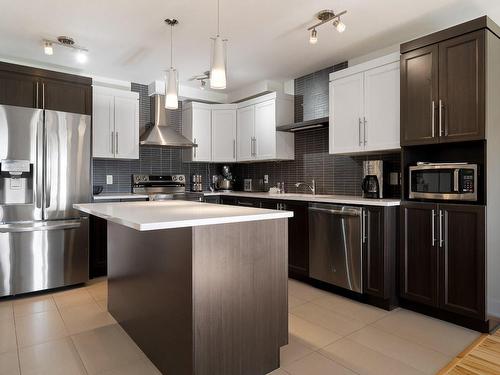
(181, 178)
(174, 178)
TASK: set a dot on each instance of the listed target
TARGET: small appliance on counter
(225, 181)
(162, 188)
(196, 182)
(373, 180)
(254, 185)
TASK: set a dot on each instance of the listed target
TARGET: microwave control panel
(467, 181)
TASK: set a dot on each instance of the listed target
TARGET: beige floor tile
(278, 372)
(103, 304)
(417, 356)
(40, 327)
(99, 281)
(33, 305)
(294, 301)
(57, 357)
(6, 311)
(99, 292)
(106, 348)
(350, 308)
(141, 367)
(293, 351)
(366, 361)
(9, 363)
(326, 318)
(316, 364)
(85, 317)
(435, 334)
(304, 292)
(310, 334)
(8, 340)
(74, 297)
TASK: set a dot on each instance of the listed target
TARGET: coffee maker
(373, 179)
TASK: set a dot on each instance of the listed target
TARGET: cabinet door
(103, 126)
(18, 90)
(419, 96)
(381, 118)
(462, 87)
(346, 126)
(66, 97)
(202, 134)
(418, 258)
(224, 135)
(245, 126)
(374, 264)
(265, 130)
(462, 260)
(126, 128)
(298, 238)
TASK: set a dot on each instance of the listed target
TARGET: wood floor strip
(482, 357)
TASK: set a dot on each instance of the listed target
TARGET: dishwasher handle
(334, 211)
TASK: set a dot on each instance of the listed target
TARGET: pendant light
(218, 74)
(171, 79)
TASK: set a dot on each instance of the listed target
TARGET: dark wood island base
(203, 300)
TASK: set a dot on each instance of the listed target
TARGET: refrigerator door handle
(43, 226)
(39, 164)
(47, 166)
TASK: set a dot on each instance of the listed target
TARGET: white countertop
(109, 196)
(145, 216)
(339, 199)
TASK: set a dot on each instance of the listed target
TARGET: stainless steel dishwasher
(336, 235)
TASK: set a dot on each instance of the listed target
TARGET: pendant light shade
(218, 70)
(171, 89)
(218, 78)
(171, 79)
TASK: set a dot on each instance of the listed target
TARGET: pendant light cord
(218, 17)
(171, 46)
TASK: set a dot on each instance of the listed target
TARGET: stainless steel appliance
(44, 170)
(160, 188)
(373, 179)
(196, 182)
(444, 181)
(254, 184)
(336, 235)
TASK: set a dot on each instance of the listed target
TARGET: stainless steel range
(167, 187)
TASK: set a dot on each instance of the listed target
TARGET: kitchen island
(201, 288)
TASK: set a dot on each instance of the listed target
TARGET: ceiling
(128, 39)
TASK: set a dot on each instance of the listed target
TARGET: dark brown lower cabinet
(379, 252)
(442, 260)
(98, 254)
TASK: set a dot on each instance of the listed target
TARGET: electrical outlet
(109, 179)
(266, 179)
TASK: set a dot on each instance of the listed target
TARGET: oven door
(442, 182)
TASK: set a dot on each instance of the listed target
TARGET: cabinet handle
(433, 228)
(234, 148)
(43, 95)
(116, 133)
(364, 129)
(112, 142)
(441, 240)
(255, 146)
(433, 118)
(363, 229)
(36, 98)
(440, 117)
(359, 131)
(195, 148)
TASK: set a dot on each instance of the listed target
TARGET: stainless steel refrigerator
(44, 170)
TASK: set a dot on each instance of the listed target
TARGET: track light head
(339, 25)
(313, 39)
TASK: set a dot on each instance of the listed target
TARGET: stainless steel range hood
(159, 133)
(304, 125)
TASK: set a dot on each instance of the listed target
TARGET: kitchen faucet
(312, 187)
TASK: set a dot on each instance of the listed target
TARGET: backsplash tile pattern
(334, 174)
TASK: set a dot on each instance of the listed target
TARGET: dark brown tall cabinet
(38, 88)
(443, 91)
(443, 256)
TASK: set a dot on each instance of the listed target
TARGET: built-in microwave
(443, 181)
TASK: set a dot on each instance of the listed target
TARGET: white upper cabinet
(265, 130)
(224, 133)
(364, 107)
(245, 133)
(382, 108)
(346, 101)
(197, 126)
(115, 124)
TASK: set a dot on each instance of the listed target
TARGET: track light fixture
(81, 53)
(326, 16)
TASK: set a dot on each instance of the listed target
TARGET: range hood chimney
(158, 133)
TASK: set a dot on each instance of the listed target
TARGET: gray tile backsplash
(333, 174)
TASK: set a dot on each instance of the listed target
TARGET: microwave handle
(456, 174)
